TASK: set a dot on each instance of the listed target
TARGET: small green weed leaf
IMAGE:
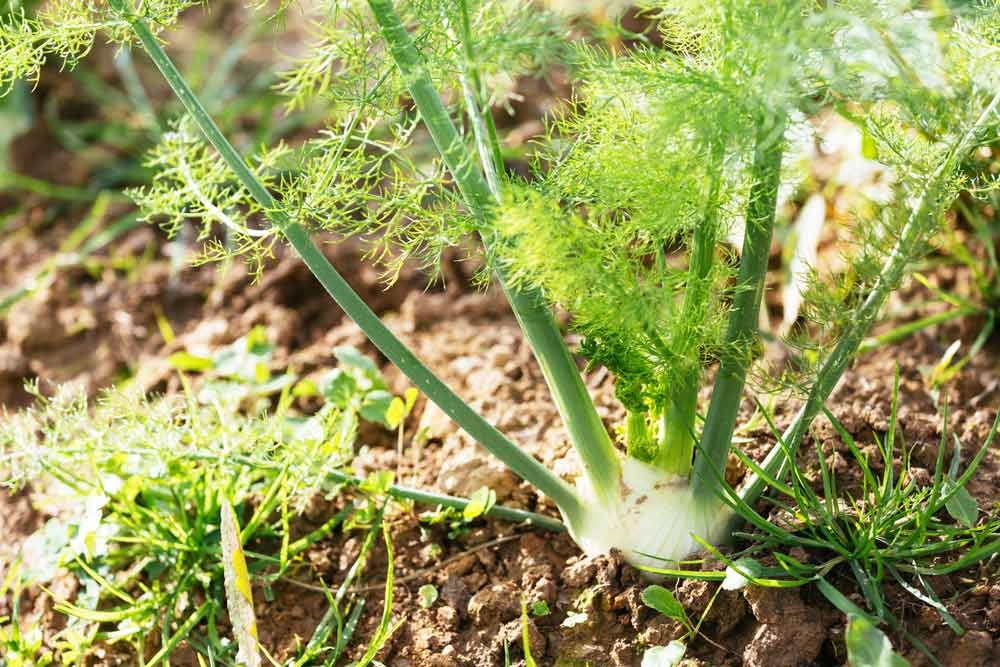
(354, 360)
(163, 326)
(868, 148)
(192, 363)
(239, 596)
(256, 342)
(261, 373)
(273, 384)
(529, 660)
(540, 608)
(481, 502)
(410, 397)
(378, 482)
(739, 574)
(428, 596)
(51, 540)
(338, 388)
(664, 656)
(396, 412)
(961, 505)
(941, 372)
(400, 408)
(375, 407)
(305, 389)
(662, 600)
(867, 646)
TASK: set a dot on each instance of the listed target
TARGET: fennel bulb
(653, 520)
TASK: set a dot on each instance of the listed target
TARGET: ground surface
(95, 326)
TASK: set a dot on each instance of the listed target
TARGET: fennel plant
(650, 218)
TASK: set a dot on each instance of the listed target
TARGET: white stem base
(654, 523)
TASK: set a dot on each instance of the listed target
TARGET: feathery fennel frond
(924, 89)
(346, 53)
(191, 184)
(66, 30)
(356, 181)
(655, 156)
(360, 180)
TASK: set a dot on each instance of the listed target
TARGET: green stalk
(923, 219)
(678, 420)
(380, 335)
(585, 428)
(906, 330)
(741, 334)
(403, 493)
(676, 441)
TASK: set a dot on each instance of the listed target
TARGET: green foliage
(529, 660)
(889, 525)
(21, 646)
(480, 503)
(428, 595)
(658, 147)
(190, 183)
(148, 478)
(66, 30)
(539, 608)
(671, 153)
(514, 38)
(350, 181)
(643, 184)
(662, 600)
(867, 646)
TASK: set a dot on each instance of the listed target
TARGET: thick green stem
(741, 334)
(922, 221)
(678, 421)
(676, 439)
(585, 428)
(382, 337)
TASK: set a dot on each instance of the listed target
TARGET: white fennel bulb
(654, 521)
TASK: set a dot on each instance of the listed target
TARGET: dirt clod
(790, 632)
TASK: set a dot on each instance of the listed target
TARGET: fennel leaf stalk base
(720, 422)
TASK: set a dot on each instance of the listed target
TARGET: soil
(95, 327)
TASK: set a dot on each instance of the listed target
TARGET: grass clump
(138, 486)
(885, 526)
